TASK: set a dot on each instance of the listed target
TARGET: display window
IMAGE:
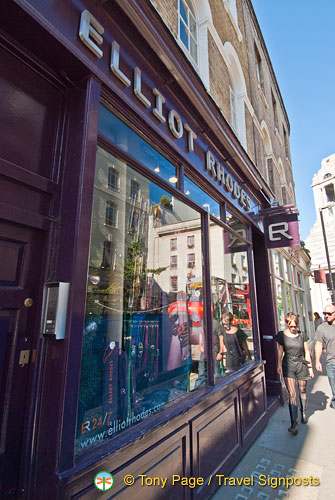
(144, 309)
(144, 340)
(232, 337)
(289, 290)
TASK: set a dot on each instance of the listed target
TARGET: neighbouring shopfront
(120, 190)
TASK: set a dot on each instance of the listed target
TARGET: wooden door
(21, 255)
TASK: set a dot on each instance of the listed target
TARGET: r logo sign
(279, 229)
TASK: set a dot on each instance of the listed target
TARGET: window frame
(111, 222)
(114, 186)
(188, 30)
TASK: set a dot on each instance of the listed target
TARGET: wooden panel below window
(253, 404)
(167, 458)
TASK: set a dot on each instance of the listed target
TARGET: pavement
(278, 464)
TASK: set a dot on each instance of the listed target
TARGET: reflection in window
(188, 28)
(134, 190)
(173, 244)
(113, 178)
(288, 297)
(276, 262)
(111, 214)
(190, 241)
(143, 326)
(199, 196)
(330, 193)
(174, 283)
(280, 302)
(231, 302)
(191, 260)
(173, 261)
(286, 269)
(126, 139)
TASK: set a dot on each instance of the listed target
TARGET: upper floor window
(173, 261)
(173, 244)
(232, 7)
(233, 116)
(174, 283)
(190, 241)
(287, 150)
(113, 178)
(270, 173)
(259, 69)
(111, 214)
(275, 110)
(237, 93)
(134, 190)
(191, 260)
(330, 193)
(187, 28)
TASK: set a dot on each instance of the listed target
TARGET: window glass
(183, 34)
(173, 262)
(288, 297)
(190, 241)
(299, 279)
(286, 269)
(199, 196)
(111, 214)
(125, 138)
(231, 302)
(188, 28)
(173, 244)
(183, 8)
(113, 178)
(144, 321)
(236, 224)
(276, 263)
(233, 109)
(280, 302)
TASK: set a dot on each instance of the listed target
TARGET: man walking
(325, 336)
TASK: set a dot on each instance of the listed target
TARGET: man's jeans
(330, 368)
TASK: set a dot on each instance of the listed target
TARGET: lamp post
(327, 252)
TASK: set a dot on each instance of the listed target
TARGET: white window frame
(173, 261)
(116, 186)
(189, 7)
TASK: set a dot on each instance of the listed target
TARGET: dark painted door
(21, 256)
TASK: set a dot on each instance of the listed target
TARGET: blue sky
(299, 35)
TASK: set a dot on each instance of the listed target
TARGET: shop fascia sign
(90, 33)
(281, 226)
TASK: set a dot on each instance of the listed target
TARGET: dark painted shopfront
(121, 182)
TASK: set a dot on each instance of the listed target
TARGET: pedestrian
(234, 349)
(317, 320)
(294, 364)
(325, 337)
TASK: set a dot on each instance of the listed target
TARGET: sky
(299, 36)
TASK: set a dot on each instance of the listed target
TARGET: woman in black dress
(234, 349)
(295, 366)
